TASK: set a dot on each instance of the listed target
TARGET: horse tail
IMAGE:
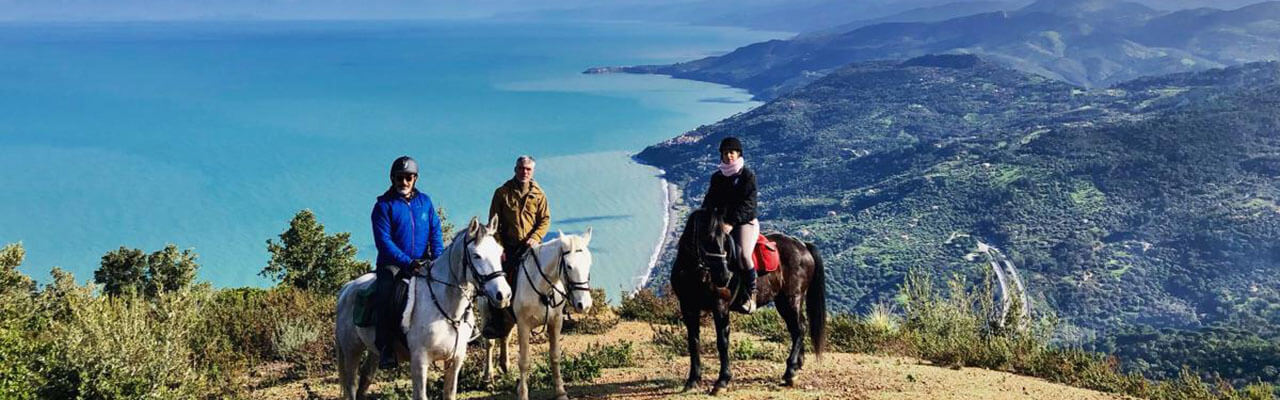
(816, 302)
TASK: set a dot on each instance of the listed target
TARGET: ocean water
(212, 135)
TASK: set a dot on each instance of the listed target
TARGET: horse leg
(553, 337)
(522, 385)
(348, 364)
(451, 370)
(420, 363)
(722, 346)
(502, 354)
(789, 310)
(692, 328)
(367, 368)
(487, 345)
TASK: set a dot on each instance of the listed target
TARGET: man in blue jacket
(406, 229)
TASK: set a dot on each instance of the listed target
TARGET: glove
(419, 264)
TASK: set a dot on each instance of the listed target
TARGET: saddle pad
(766, 255)
(364, 315)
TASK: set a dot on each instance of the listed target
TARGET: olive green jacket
(521, 214)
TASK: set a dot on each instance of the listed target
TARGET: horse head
(576, 261)
(706, 240)
(485, 257)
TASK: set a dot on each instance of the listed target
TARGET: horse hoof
(715, 390)
(689, 385)
(788, 382)
(562, 397)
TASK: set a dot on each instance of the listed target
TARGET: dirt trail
(837, 376)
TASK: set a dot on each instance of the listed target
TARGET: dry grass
(659, 374)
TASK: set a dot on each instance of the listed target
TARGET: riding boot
(748, 304)
(386, 327)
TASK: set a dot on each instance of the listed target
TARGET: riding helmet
(404, 165)
(731, 143)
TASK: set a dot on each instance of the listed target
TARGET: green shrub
(747, 349)
(645, 305)
(765, 322)
(599, 319)
(18, 355)
(128, 347)
(617, 355)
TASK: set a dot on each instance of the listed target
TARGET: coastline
(670, 202)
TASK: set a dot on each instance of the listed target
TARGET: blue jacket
(405, 230)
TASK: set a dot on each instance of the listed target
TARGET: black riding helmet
(404, 165)
(731, 143)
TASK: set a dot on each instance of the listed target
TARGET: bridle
(468, 268)
(549, 299)
(702, 253)
(554, 297)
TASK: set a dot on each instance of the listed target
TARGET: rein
(469, 268)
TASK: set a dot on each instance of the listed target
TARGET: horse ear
(473, 226)
(493, 223)
(586, 236)
(559, 233)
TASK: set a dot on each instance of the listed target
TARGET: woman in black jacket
(732, 192)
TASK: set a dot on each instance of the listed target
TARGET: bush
(747, 349)
(599, 319)
(18, 354)
(128, 347)
(764, 322)
(645, 305)
(957, 330)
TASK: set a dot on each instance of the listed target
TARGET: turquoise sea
(212, 135)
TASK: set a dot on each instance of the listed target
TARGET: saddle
(366, 315)
(765, 255)
(766, 258)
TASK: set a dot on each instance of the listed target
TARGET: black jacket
(735, 196)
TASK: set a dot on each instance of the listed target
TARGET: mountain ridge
(1064, 42)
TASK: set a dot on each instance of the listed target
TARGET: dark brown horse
(701, 273)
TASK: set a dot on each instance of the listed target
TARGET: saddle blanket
(766, 255)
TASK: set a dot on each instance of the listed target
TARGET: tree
(126, 271)
(307, 258)
(122, 272)
(169, 270)
(446, 228)
(12, 280)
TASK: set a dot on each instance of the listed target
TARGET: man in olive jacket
(523, 219)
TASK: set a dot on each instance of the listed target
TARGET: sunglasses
(406, 177)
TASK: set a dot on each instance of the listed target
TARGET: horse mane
(702, 224)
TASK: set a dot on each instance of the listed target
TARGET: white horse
(438, 321)
(553, 276)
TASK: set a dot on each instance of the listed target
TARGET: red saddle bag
(765, 255)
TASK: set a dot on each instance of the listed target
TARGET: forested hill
(1151, 204)
(1092, 43)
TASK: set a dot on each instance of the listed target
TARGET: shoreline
(669, 193)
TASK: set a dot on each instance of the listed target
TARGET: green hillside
(1148, 205)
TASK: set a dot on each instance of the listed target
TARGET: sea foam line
(666, 225)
